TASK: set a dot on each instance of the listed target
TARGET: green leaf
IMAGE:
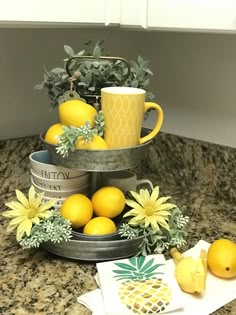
(39, 86)
(103, 72)
(97, 52)
(125, 266)
(88, 77)
(140, 261)
(80, 53)
(69, 50)
(146, 83)
(133, 261)
(123, 272)
(92, 88)
(134, 66)
(135, 83)
(117, 76)
(147, 265)
(140, 59)
(151, 269)
(144, 64)
(45, 70)
(148, 71)
(58, 70)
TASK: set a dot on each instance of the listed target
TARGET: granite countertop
(199, 176)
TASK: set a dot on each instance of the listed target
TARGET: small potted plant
(87, 71)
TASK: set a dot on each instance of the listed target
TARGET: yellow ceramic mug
(123, 109)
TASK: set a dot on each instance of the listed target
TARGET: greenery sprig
(54, 229)
(158, 241)
(161, 224)
(68, 139)
(91, 74)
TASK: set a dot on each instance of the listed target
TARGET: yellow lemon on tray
(108, 202)
(96, 143)
(78, 209)
(99, 226)
(76, 113)
(53, 132)
(221, 258)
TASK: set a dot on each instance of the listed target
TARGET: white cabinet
(187, 15)
(59, 12)
(199, 15)
(133, 13)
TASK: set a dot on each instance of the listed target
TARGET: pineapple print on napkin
(138, 285)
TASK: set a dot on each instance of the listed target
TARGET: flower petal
(163, 223)
(133, 212)
(24, 227)
(11, 227)
(47, 205)
(13, 213)
(20, 231)
(28, 226)
(132, 203)
(17, 220)
(145, 197)
(133, 221)
(21, 197)
(166, 206)
(151, 220)
(140, 217)
(35, 220)
(31, 195)
(161, 200)
(155, 194)
(163, 213)
(15, 205)
(45, 214)
(138, 197)
(38, 200)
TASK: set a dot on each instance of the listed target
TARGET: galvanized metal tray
(99, 160)
(100, 249)
(94, 250)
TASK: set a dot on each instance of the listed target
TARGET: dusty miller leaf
(69, 50)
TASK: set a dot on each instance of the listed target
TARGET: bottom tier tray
(95, 250)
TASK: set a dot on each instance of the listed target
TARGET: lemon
(78, 209)
(108, 202)
(99, 226)
(221, 258)
(76, 113)
(53, 132)
(96, 143)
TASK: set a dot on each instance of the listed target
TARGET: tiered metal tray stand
(97, 248)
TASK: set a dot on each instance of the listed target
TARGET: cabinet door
(58, 12)
(133, 13)
(205, 15)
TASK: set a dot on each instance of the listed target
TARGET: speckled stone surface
(199, 176)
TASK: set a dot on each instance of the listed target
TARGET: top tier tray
(99, 160)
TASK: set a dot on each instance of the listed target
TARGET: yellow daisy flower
(26, 212)
(149, 209)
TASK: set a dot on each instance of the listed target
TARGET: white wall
(194, 77)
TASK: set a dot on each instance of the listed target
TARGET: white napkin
(93, 301)
(218, 292)
(111, 285)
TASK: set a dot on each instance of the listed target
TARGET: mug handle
(144, 181)
(156, 129)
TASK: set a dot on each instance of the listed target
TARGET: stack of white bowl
(56, 181)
